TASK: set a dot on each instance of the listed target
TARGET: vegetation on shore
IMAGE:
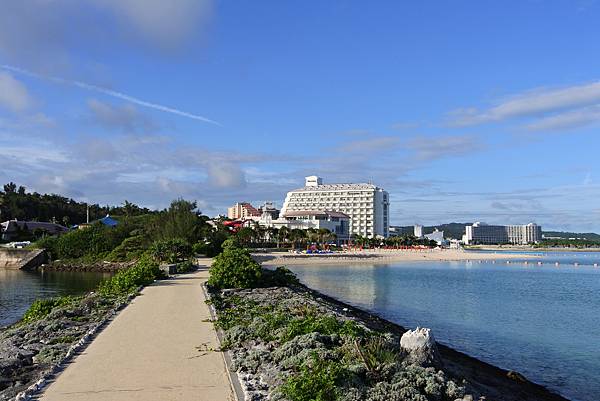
(51, 326)
(568, 243)
(289, 346)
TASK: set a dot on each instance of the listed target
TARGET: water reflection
(539, 320)
(18, 289)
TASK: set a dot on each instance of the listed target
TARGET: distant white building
(366, 204)
(481, 233)
(437, 236)
(336, 222)
(418, 231)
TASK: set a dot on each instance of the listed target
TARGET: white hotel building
(481, 233)
(366, 204)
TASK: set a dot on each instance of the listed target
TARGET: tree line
(17, 203)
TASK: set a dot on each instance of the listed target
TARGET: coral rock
(420, 348)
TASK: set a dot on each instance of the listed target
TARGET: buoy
(556, 264)
(576, 263)
(526, 262)
(539, 263)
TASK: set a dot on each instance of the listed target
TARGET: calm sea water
(543, 321)
(18, 289)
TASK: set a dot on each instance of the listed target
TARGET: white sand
(384, 256)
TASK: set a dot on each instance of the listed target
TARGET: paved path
(157, 348)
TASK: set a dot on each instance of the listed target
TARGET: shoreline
(482, 378)
(505, 382)
(384, 256)
(530, 249)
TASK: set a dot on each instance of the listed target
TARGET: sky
(462, 110)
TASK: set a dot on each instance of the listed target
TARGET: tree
(180, 220)
(246, 235)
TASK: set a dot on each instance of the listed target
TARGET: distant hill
(451, 230)
(567, 235)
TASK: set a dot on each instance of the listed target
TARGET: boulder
(420, 348)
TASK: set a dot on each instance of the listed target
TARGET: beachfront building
(523, 234)
(336, 222)
(242, 210)
(366, 205)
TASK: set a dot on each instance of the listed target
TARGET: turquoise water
(543, 321)
(18, 289)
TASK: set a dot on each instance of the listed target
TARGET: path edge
(234, 381)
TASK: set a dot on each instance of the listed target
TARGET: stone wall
(21, 258)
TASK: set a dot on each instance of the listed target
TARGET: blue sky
(463, 110)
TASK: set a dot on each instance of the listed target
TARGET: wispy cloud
(125, 118)
(532, 103)
(427, 148)
(109, 92)
(567, 120)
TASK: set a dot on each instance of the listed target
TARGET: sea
(18, 289)
(539, 316)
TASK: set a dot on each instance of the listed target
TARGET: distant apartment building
(481, 233)
(242, 210)
(418, 231)
(269, 209)
(366, 205)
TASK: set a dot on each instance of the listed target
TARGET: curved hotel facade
(366, 204)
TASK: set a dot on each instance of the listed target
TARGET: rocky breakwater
(51, 331)
(292, 343)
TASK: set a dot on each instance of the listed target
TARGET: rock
(420, 348)
(516, 376)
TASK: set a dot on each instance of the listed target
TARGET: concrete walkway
(157, 348)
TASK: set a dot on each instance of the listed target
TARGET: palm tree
(297, 235)
(284, 232)
(323, 232)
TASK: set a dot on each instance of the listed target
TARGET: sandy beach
(383, 256)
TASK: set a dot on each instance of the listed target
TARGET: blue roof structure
(108, 221)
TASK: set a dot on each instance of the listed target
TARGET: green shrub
(131, 248)
(316, 381)
(42, 307)
(144, 272)
(91, 243)
(234, 268)
(231, 242)
(327, 324)
(184, 267)
(280, 277)
(171, 250)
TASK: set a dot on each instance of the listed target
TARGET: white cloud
(160, 22)
(567, 120)
(531, 103)
(225, 175)
(41, 32)
(13, 94)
